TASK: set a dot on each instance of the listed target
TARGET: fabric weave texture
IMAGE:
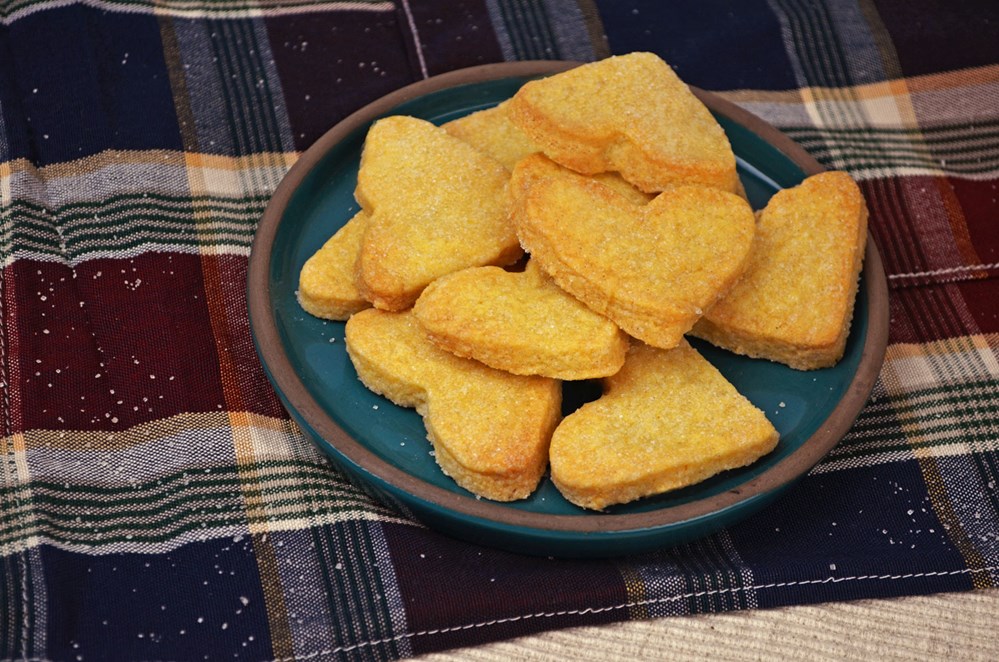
(158, 503)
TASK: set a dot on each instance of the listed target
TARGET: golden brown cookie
(652, 269)
(667, 420)
(326, 286)
(490, 429)
(795, 302)
(491, 132)
(436, 205)
(630, 114)
(519, 322)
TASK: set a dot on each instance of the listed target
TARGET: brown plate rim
(264, 330)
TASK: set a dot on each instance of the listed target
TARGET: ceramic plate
(384, 448)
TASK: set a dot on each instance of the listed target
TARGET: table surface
(159, 502)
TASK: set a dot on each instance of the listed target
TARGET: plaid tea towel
(157, 502)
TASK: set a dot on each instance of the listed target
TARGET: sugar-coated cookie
(326, 285)
(629, 114)
(652, 269)
(436, 205)
(490, 429)
(491, 132)
(667, 420)
(795, 302)
(520, 322)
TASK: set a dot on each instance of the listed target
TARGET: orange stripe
(944, 510)
(634, 589)
(219, 290)
(895, 87)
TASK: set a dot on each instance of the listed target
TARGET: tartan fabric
(158, 503)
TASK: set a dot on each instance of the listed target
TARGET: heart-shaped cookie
(326, 284)
(630, 114)
(436, 205)
(653, 269)
(668, 419)
(490, 429)
(795, 302)
(519, 322)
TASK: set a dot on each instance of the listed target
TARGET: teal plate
(383, 447)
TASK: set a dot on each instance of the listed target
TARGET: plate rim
(291, 388)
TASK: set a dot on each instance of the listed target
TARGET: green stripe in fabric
(253, 123)
(209, 246)
(893, 149)
(830, 156)
(918, 402)
(516, 40)
(159, 220)
(723, 580)
(236, 122)
(321, 542)
(56, 528)
(944, 390)
(112, 517)
(940, 417)
(124, 223)
(942, 133)
(166, 199)
(813, 56)
(17, 607)
(10, 605)
(42, 213)
(243, 77)
(144, 238)
(900, 147)
(812, 52)
(547, 43)
(182, 501)
(270, 102)
(233, 112)
(8, 625)
(156, 501)
(898, 441)
(276, 469)
(342, 587)
(709, 571)
(374, 588)
(988, 468)
(968, 412)
(899, 155)
(90, 213)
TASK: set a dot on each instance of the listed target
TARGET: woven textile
(157, 502)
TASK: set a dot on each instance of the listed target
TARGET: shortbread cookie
(630, 114)
(491, 132)
(437, 205)
(652, 269)
(795, 302)
(326, 286)
(667, 420)
(519, 322)
(490, 429)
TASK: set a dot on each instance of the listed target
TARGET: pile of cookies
(579, 231)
